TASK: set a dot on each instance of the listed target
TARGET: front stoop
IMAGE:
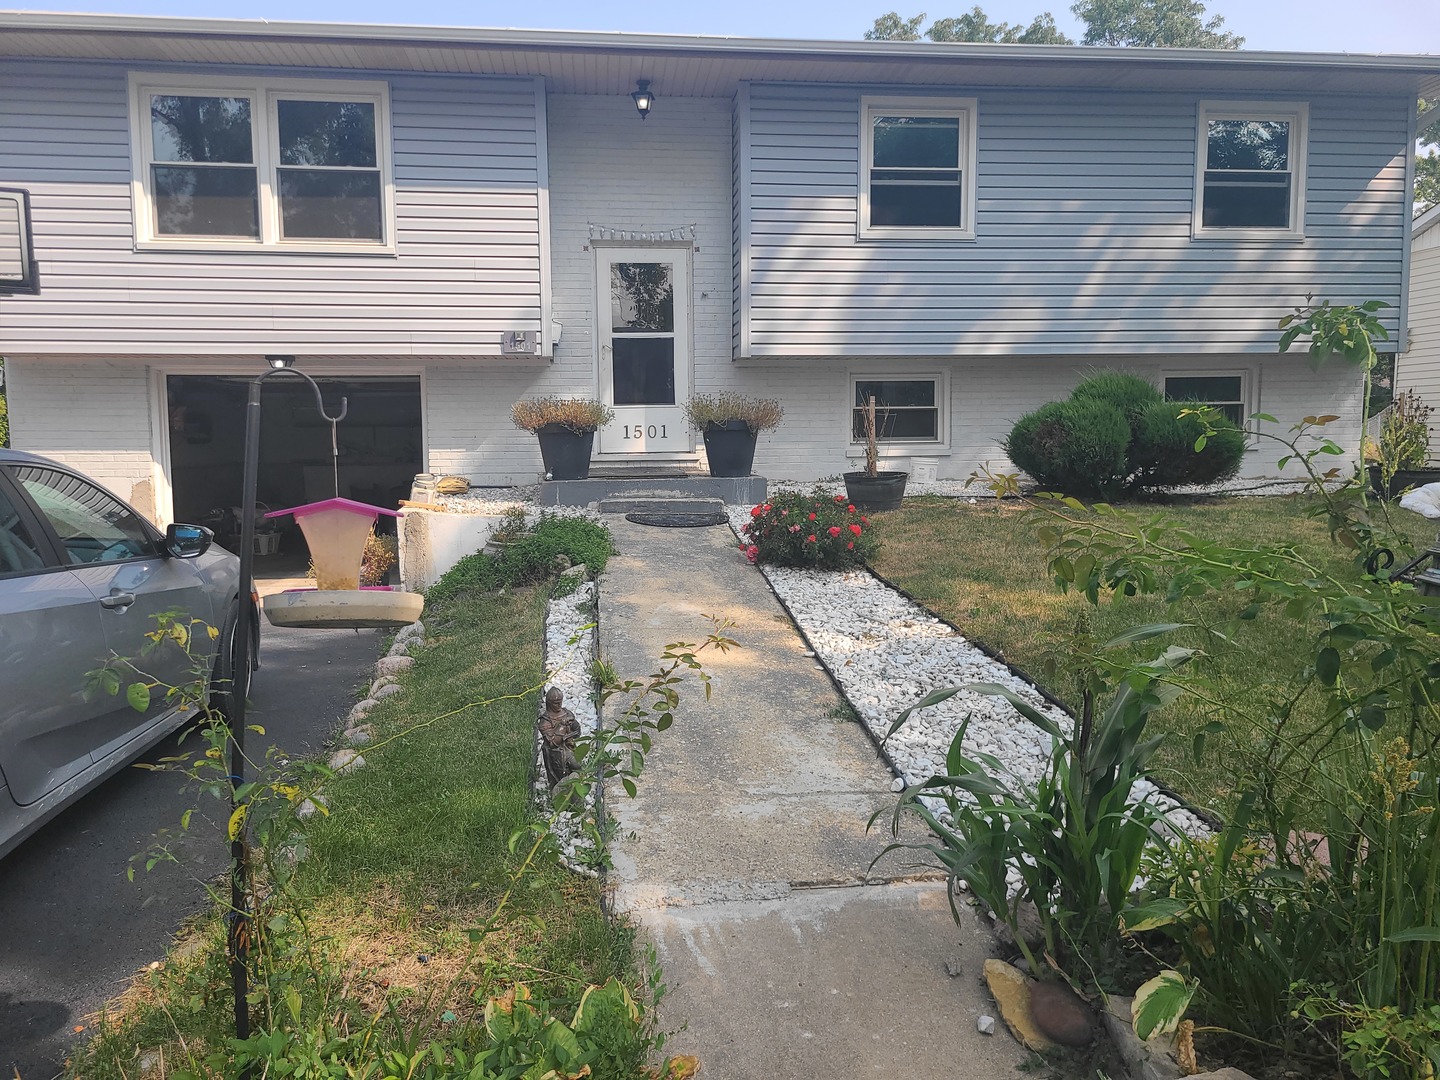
(734, 490)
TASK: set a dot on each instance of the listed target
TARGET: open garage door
(380, 442)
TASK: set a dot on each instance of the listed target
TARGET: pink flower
(855, 529)
(851, 545)
(812, 517)
(850, 509)
(794, 528)
(839, 498)
(834, 530)
(810, 539)
(757, 511)
(751, 552)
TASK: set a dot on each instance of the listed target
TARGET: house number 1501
(640, 431)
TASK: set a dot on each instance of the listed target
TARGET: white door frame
(321, 369)
(645, 432)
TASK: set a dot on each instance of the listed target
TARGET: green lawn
(413, 854)
(980, 566)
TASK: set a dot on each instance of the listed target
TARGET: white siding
(1418, 368)
(1084, 232)
(467, 230)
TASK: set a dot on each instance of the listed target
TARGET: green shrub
(815, 530)
(530, 558)
(1077, 447)
(1131, 394)
(1164, 455)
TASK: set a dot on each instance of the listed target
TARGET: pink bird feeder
(336, 530)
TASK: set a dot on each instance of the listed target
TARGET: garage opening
(380, 442)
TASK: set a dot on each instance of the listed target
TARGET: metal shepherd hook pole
(239, 918)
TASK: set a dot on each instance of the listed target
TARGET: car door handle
(117, 600)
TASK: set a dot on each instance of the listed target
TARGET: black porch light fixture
(278, 362)
(643, 97)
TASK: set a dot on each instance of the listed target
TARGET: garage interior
(380, 443)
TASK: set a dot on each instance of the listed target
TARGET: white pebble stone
(346, 761)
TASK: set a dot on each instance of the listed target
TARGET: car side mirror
(187, 541)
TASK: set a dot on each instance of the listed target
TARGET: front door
(643, 308)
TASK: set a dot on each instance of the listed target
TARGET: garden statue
(558, 731)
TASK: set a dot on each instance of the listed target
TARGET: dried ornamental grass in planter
(730, 424)
(809, 530)
(566, 429)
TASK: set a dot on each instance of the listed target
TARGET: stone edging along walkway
(885, 652)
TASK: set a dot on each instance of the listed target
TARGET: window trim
(1249, 393)
(899, 448)
(264, 93)
(966, 109)
(1297, 114)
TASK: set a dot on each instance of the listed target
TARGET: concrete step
(662, 504)
(734, 490)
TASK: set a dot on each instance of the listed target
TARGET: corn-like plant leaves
(1416, 933)
(932, 698)
(1143, 633)
(1023, 707)
(1160, 1004)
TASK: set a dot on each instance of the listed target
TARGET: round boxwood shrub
(1131, 394)
(1164, 453)
(1076, 447)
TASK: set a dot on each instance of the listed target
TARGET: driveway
(72, 928)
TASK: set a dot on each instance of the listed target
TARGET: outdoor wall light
(278, 362)
(642, 97)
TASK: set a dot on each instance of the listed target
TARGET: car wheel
(225, 688)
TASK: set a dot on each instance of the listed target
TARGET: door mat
(677, 521)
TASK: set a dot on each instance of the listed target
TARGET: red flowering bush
(815, 529)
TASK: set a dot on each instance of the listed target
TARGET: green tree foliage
(1427, 164)
(1172, 23)
(4, 408)
(973, 26)
(1176, 24)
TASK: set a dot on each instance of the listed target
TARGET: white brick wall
(90, 414)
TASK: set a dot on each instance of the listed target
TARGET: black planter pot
(729, 448)
(883, 491)
(1403, 480)
(566, 454)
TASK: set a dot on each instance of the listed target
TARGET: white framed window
(1232, 393)
(917, 168)
(911, 410)
(1250, 170)
(261, 164)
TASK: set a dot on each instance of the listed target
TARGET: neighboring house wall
(468, 230)
(1084, 226)
(1418, 368)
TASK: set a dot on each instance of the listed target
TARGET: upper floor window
(1252, 183)
(917, 168)
(261, 164)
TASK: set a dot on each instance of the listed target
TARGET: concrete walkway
(744, 858)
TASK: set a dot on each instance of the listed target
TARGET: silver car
(82, 576)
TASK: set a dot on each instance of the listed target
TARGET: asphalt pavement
(73, 929)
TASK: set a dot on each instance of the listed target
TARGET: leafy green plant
(1405, 436)
(815, 529)
(1075, 837)
(759, 414)
(529, 557)
(574, 414)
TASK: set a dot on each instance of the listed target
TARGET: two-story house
(437, 222)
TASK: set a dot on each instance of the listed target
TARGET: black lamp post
(238, 938)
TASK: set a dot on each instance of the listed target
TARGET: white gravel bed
(493, 502)
(976, 491)
(887, 653)
(569, 650)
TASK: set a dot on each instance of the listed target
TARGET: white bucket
(924, 470)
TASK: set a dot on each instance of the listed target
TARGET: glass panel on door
(644, 365)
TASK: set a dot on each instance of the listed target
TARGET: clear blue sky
(1396, 26)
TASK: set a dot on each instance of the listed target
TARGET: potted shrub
(730, 424)
(1398, 461)
(874, 489)
(566, 429)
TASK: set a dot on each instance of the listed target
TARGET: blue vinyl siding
(1083, 232)
(467, 206)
